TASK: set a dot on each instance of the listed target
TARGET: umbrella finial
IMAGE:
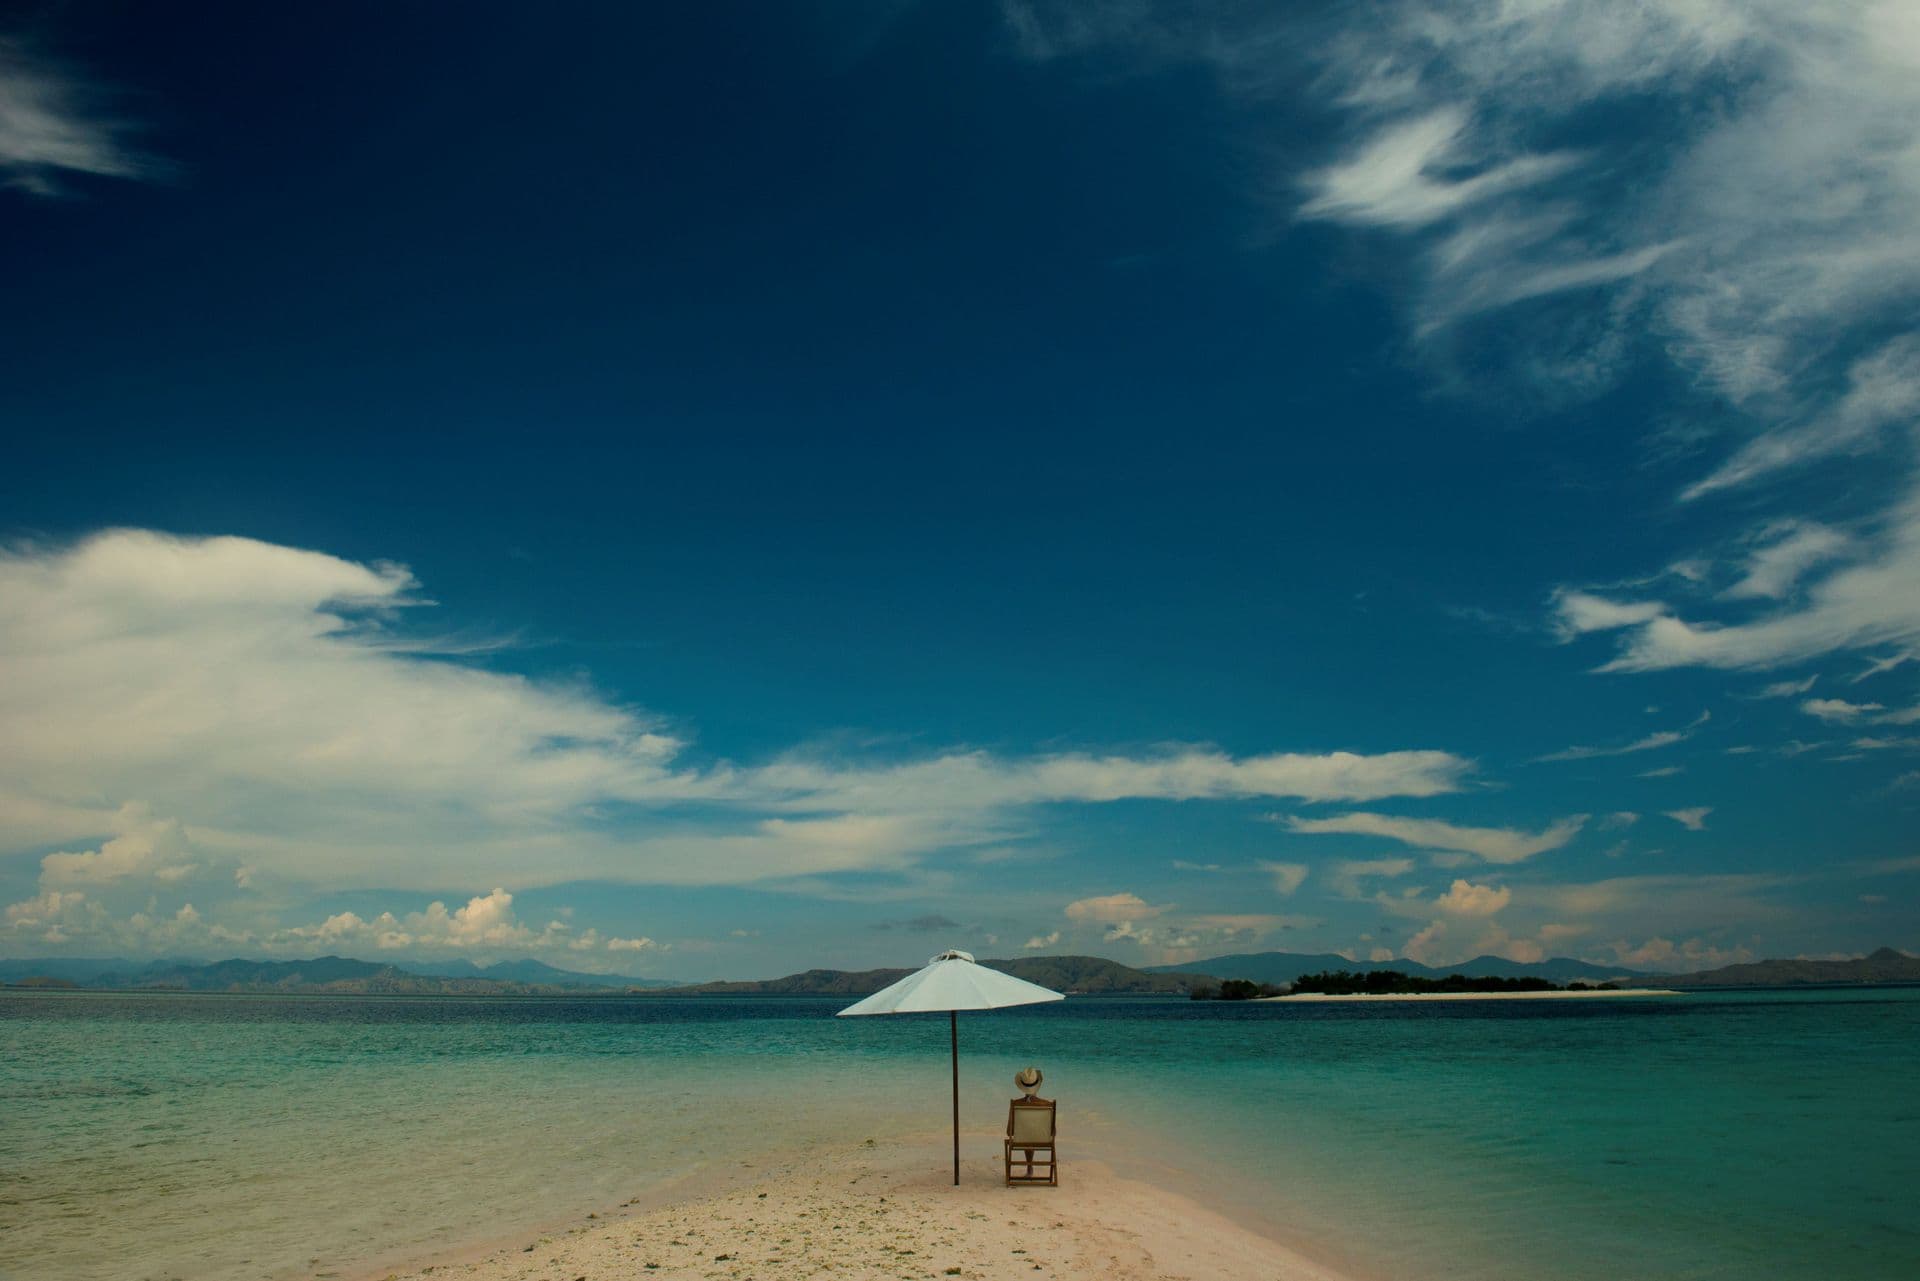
(952, 954)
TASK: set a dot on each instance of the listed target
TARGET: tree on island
(1234, 990)
(1395, 983)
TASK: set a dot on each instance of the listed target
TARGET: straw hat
(1028, 1079)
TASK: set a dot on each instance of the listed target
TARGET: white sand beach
(887, 1210)
(1474, 996)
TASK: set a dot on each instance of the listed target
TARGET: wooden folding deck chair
(1029, 1130)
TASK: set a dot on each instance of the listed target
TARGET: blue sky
(704, 492)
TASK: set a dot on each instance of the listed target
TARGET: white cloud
(1774, 569)
(1838, 709)
(1287, 877)
(1693, 819)
(1397, 176)
(284, 706)
(1042, 940)
(1345, 876)
(976, 779)
(1490, 844)
(1883, 392)
(142, 847)
(485, 926)
(48, 128)
(1112, 908)
(1578, 613)
(1463, 898)
(1880, 666)
(1768, 246)
(1685, 957)
(1787, 689)
(1872, 602)
(1651, 742)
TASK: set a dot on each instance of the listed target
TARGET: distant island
(1882, 966)
(1395, 983)
(1246, 977)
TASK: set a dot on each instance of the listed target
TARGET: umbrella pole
(953, 1030)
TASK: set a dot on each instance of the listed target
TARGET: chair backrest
(1030, 1121)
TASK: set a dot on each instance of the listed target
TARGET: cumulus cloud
(51, 127)
(1489, 844)
(294, 712)
(1463, 898)
(1042, 940)
(1451, 940)
(142, 847)
(486, 926)
(1684, 957)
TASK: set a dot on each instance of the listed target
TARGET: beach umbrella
(952, 982)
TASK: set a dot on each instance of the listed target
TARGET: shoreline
(878, 1210)
(1473, 996)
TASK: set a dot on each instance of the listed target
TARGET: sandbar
(890, 1210)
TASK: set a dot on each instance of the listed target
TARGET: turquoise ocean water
(1726, 1136)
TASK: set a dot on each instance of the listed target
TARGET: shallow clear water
(1722, 1136)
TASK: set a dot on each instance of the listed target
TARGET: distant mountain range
(1285, 967)
(1077, 975)
(1883, 966)
(323, 974)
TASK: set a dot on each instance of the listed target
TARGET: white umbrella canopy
(951, 982)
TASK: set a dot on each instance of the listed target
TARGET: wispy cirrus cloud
(1489, 844)
(1693, 819)
(52, 128)
(1763, 248)
(1647, 743)
(1870, 603)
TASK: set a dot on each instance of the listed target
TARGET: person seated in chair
(1030, 1130)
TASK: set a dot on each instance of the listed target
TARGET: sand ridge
(890, 1211)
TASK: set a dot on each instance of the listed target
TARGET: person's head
(1028, 1079)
